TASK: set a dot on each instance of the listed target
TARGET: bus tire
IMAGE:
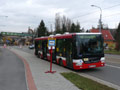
(38, 55)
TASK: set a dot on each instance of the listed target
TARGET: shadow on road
(89, 70)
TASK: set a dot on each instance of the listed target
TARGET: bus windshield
(89, 44)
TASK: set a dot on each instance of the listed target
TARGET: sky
(18, 15)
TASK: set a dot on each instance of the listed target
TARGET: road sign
(51, 43)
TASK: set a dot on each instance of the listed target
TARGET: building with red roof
(108, 38)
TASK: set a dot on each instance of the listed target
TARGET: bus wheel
(60, 62)
(38, 55)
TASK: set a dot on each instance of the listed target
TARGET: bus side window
(59, 47)
(40, 45)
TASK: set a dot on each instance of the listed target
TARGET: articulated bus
(75, 50)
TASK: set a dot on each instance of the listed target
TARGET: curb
(100, 81)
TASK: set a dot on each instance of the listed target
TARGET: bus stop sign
(51, 43)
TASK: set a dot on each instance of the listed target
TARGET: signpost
(51, 46)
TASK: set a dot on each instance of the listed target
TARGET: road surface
(12, 71)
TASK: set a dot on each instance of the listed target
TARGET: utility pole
(100, 20)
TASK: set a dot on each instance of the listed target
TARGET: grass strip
(85, 83)
(112, 52)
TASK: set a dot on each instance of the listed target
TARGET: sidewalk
(42, 80)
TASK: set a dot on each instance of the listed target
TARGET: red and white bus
(76, 50)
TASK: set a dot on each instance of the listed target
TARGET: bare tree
(63, 24)
(57, 23)
(68, 24)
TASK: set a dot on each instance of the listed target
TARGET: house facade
(108, 38)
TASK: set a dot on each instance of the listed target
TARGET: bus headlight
(102, 59)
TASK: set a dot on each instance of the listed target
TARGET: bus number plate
(92, 66)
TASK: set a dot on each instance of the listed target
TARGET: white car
(32, 46)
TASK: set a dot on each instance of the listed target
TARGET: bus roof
(70, 35)
(86, 33)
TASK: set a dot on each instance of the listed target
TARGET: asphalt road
(12, 71)
(110, 73)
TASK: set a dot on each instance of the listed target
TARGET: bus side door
(68, 51)
(44, 49)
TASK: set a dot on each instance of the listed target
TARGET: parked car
(32, 46)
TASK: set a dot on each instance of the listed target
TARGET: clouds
(24, 13)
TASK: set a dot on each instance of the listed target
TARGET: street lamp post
(100, 20)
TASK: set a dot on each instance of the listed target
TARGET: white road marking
(112, 66)
(112, 57)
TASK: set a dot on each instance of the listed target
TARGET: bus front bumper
(87, 66)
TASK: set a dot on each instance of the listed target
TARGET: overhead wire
(102, 17)
(96, 11)
(93, 13)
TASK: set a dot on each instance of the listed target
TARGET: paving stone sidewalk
(47, 81)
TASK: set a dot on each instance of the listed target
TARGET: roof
(105, 33)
